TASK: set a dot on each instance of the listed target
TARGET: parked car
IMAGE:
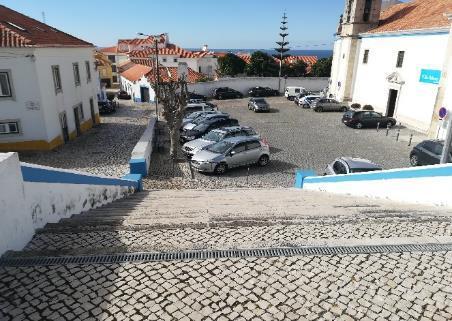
(192, 95)
(226, 93)
(203, 118)
(360, 119)
(124, 95)
(205, 127)
(349, 165)
(216, 135)
(258, 104)
(194, 101)
(291, 92)
(262, 92)
(106, 107)
(230, 153)
(197, 114)
(327, 104)
(428, 152)
(306, 101)
(191, 108)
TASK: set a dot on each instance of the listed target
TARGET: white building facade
(48, 90)
(397, 65)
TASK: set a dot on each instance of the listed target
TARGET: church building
(398, 60)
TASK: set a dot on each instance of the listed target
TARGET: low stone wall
(32, 196)
(141, 154)
(426, 185)
(243, 84)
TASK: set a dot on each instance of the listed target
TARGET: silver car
(231, 152)
(258, 104)
(349, 165)
(216, 135)
(327, 104)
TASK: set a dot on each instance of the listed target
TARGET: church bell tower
(359, 16)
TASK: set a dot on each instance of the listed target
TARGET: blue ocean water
(318, 53)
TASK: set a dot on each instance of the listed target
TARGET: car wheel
(344, 109)
(221, 169)
(414, 160)
(359, 125)
(390, 124)
(220, 97)
(263, 160)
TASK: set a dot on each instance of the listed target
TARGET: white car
(291, 92)
(306, 101)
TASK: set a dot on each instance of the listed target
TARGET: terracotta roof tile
(418, 14)
(18, 30)
(135, 72)
(113, 49)
(167, 74)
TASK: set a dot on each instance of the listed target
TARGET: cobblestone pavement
(414, 286)
(301, 138)
(105, 149)
(292, 234)
(385, 286)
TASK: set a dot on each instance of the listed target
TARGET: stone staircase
(169, 220)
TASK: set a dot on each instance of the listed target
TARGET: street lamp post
(156, 71)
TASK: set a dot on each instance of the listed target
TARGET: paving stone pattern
(104, 149)
(175, 239)
(406, 286)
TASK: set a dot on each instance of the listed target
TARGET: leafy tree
(322, 68)
(297, 69)
(262, 64)
(231, 65)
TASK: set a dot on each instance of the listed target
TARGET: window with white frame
(88, 71)
(57, 78)
(5, 84)
(76, 73)
(9, 127)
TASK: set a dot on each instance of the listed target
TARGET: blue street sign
(430, 76)
(442, 112)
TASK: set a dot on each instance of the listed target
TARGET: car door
(253, 151)
(237, 155)
(430, 153)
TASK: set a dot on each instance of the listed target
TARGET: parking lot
(301, 138)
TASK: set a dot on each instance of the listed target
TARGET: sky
(231, 24)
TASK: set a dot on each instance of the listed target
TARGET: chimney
(205, 48)
(182, 70)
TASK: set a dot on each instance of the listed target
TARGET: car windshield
(213, 136)
(201, 127)
(198, 120)
(220, 147)
(259, 101)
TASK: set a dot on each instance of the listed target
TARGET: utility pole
(282, 47)
(447, 142)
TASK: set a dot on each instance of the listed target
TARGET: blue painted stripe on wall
(405, 34)
(383, 175)
(44, 175)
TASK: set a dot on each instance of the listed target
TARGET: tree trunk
(175, 145)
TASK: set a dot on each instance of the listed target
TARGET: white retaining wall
(16, 226)
(143, 150)
(243, 84)
(27, 205)
(426, 185)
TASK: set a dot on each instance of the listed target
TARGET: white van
(292, 92)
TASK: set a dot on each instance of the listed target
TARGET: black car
(206, 126)
(192, 95)
(369, 119)
(106, 107)
(428, 152)
(124, 95)
(262, 92)
(226, 93)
